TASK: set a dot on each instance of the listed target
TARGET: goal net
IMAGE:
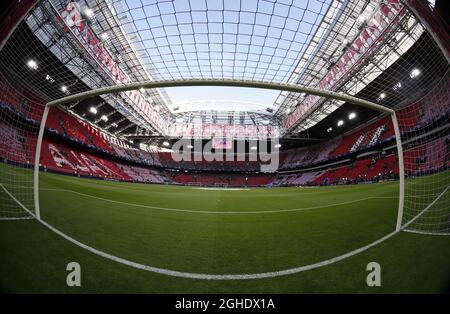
(18, 135)
(426, 142)
(385, 58)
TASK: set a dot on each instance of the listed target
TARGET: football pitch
(195, 240)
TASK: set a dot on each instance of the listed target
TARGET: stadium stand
(366, 137)
(13, 144)
(68, 125)
(138, 174)
(307, 156)
(420, 158)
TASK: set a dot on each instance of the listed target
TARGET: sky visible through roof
(244, 40)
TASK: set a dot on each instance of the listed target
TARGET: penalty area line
(15, 218)
(201, 276)
(223, 212)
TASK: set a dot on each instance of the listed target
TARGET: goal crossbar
(220, 82)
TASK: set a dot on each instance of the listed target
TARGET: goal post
(230, 83)
(37, 160)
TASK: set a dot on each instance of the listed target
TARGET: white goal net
(426, 141)
(18, 134)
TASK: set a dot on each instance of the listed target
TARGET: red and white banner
(372, 33)
(73, 20)
(105, 137)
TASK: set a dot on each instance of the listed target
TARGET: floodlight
(88, 12)
(32, 64)
(397, 86)
(414, 73)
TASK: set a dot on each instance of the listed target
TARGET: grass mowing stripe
(207, 276)
(204, 276)
(167, 189)
(219, 276)
(222, 212)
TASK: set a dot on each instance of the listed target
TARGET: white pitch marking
(15, 218)
(221, 212)
(174, 273)
(292, 191)
(427, 232)
(222, 189)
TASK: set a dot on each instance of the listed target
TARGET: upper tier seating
(295, 158)
(427, 157)
(366, 137)
(139, 174)
(17, 146)
(428, 109)
(26, 106)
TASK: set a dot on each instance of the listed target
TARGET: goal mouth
(89, 135)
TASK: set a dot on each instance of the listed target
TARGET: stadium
(211, 146)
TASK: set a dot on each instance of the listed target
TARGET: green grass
(33, 258)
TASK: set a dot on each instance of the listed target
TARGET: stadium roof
(337, 30)
(256, 40)
(275, 41)
(341, 30)
(281, 41)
